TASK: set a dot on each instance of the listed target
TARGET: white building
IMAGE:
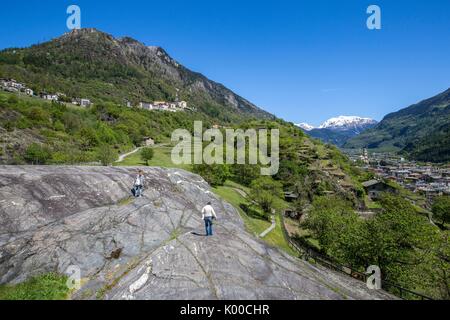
(146, 106)
(29, 92)
(161, 105)
(85, 103)
(182, 105)
(50, 97)
(12, 85)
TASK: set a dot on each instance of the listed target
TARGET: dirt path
(123, 156)
(270, 229)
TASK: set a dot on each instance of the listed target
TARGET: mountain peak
(340, 129)
(346, 122)
(124, 69)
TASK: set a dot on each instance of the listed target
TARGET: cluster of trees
(67, 135)
(409, 250)
(441, 210)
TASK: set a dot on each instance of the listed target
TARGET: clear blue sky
(301, 60)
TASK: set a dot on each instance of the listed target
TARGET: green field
(161, 158)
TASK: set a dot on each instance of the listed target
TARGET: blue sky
(301, 60)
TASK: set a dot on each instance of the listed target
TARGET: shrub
(215, 174)
(37, 154)
(264, 190)
(251, 212)
(106, 155)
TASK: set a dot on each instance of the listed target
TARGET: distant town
(427, 179)
(13, 86)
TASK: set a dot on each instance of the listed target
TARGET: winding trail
(123, 156)
(270, 229)
(274, 221)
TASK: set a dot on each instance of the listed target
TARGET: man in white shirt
(208, 214)
(139, 184)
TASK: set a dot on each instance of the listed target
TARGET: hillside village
(426, 179)
(13, 86)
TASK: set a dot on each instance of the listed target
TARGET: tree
(88, 138)
(408, 249)
(245, 173)
(441, 209)
(337, 227)
(215, 174)
(37, 154)
(264, 191)
(147, 155)
(106, 155)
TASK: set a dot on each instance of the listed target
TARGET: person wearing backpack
(208, 215)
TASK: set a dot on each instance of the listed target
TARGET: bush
(59, 126)
(37, 154)
(38, 115)
(106, 155)
(245, 173)
(215, 174)
(252, 213)
(264, 190)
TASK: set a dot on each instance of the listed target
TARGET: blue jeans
(208, 226)
(138, 191)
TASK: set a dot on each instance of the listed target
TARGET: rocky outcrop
(149, 248)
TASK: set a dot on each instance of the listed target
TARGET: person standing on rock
(208, 215)
(139, 184)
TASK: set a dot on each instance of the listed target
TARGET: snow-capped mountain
(340, 129)
(344, 123)
(305, 126)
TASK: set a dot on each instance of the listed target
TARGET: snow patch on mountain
(347, 123)
(305, 126)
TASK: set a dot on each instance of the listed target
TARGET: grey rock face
(148, 248)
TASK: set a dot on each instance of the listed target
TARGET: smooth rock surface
(148, 248)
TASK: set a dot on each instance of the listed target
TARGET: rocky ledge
(148, 248)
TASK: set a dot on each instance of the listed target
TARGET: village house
(50, 97)
(146, 106)
(182, 105)
(12, 85)
(161, 105)
(375, 188)
(85, 103)
(82, 102)
(291, 196)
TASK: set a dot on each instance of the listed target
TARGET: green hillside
(91, 64)
(420, 131)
